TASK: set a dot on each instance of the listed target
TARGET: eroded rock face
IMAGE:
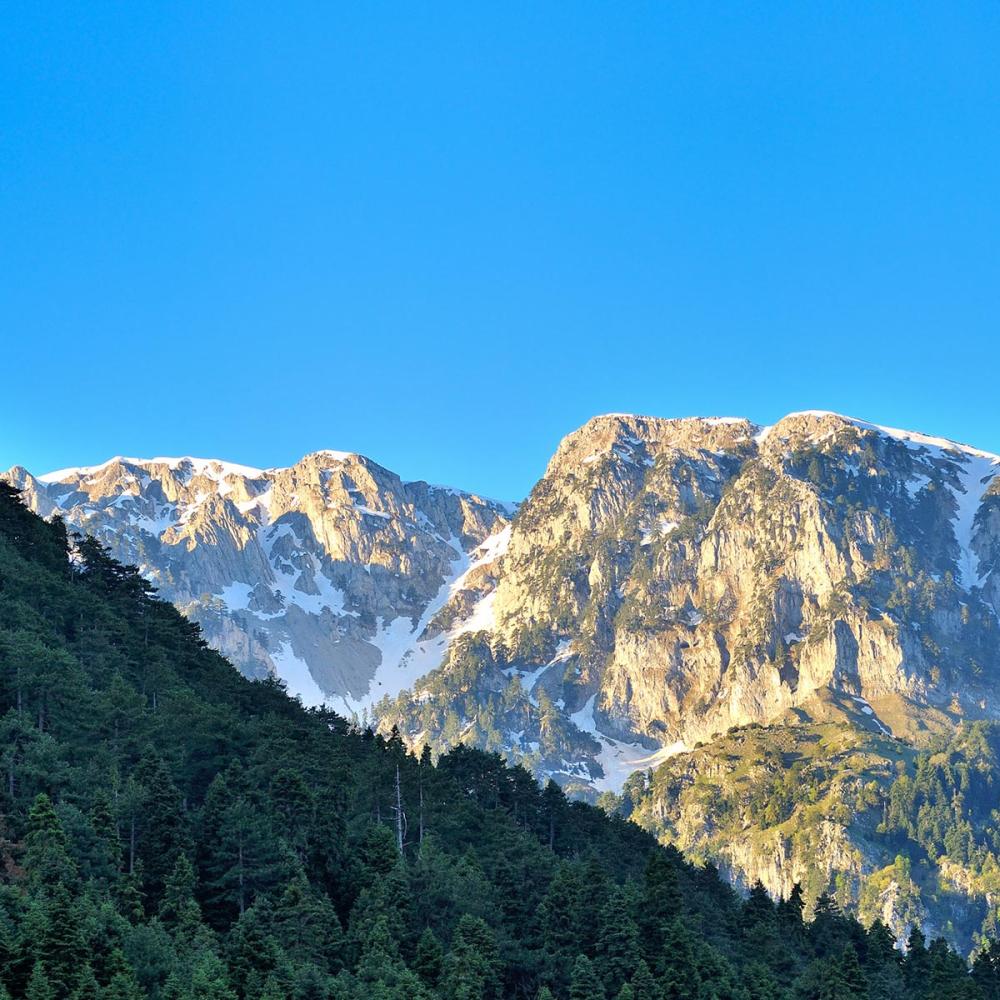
(669, 579)
(664, 581)
(323, 573)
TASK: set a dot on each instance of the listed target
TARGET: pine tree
(472, 968)
(123, 986)
(241, 853)
(916, 965)
(129, 895)
(661, 904)
(46, 859)
(948, 972)
(179, 910)
(644, 984)
(387, 898)
(209, 980)
(54, 929)
(584, 984)
(381, 970)
(850, 974)
(102, 820)
(162, 832)
(829, 929)
(305, 924)
(759, 924)
(617, 953)
(378, 853)
(986, 970)
(562, 917)
(252, 952)
(39, 985)
(294, 805)
(679, 975)
(759, 983)
(553, 808)
(429, 960)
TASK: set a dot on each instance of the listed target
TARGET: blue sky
(446, 234)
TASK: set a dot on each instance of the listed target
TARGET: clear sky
(445, 234)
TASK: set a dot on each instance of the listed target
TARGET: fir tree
(123, 986)
(472, 968)
(617, 953)
(39, 985)
(179, 910)
(429, 959)
(584, 984)
(305, 924)
(54, 930)
(644, 983)
(162, 827)
(46, 859)
(986, 970)
(209, 980)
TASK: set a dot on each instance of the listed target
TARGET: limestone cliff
(665, 582)
(325, 573)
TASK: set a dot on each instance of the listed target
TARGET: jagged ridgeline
(666, 587)
(173, 830)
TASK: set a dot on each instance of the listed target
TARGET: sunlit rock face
(664, 581)
(324, 573)
(667, 588)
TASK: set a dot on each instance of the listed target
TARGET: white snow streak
(618, 759)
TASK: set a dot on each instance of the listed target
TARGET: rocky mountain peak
(325, 572)
(640, 438)
(666, 578)
(666, 582)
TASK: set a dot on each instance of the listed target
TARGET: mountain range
(669, 591)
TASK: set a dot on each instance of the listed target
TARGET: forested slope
(172, 830)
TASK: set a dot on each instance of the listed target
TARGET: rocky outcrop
(669, 579)
(665, 581)
(324, 573)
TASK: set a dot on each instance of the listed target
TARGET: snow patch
(975, 474)
(295, 673)
(211, 467)
(405, 656)
(619, 759)
(870, 712)
(362, 509)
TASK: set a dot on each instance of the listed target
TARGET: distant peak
(336, 456)
(916, 439)
(213, 467)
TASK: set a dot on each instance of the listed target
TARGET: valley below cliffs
(774, 646)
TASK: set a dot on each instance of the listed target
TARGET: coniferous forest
(170, 830)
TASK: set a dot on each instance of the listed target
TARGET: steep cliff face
(664, 582)
(669, 579)
(325, 573)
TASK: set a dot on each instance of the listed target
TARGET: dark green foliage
(584, 984)
(429, 959)
(172, 831)
(472, 968)
(618, 953)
